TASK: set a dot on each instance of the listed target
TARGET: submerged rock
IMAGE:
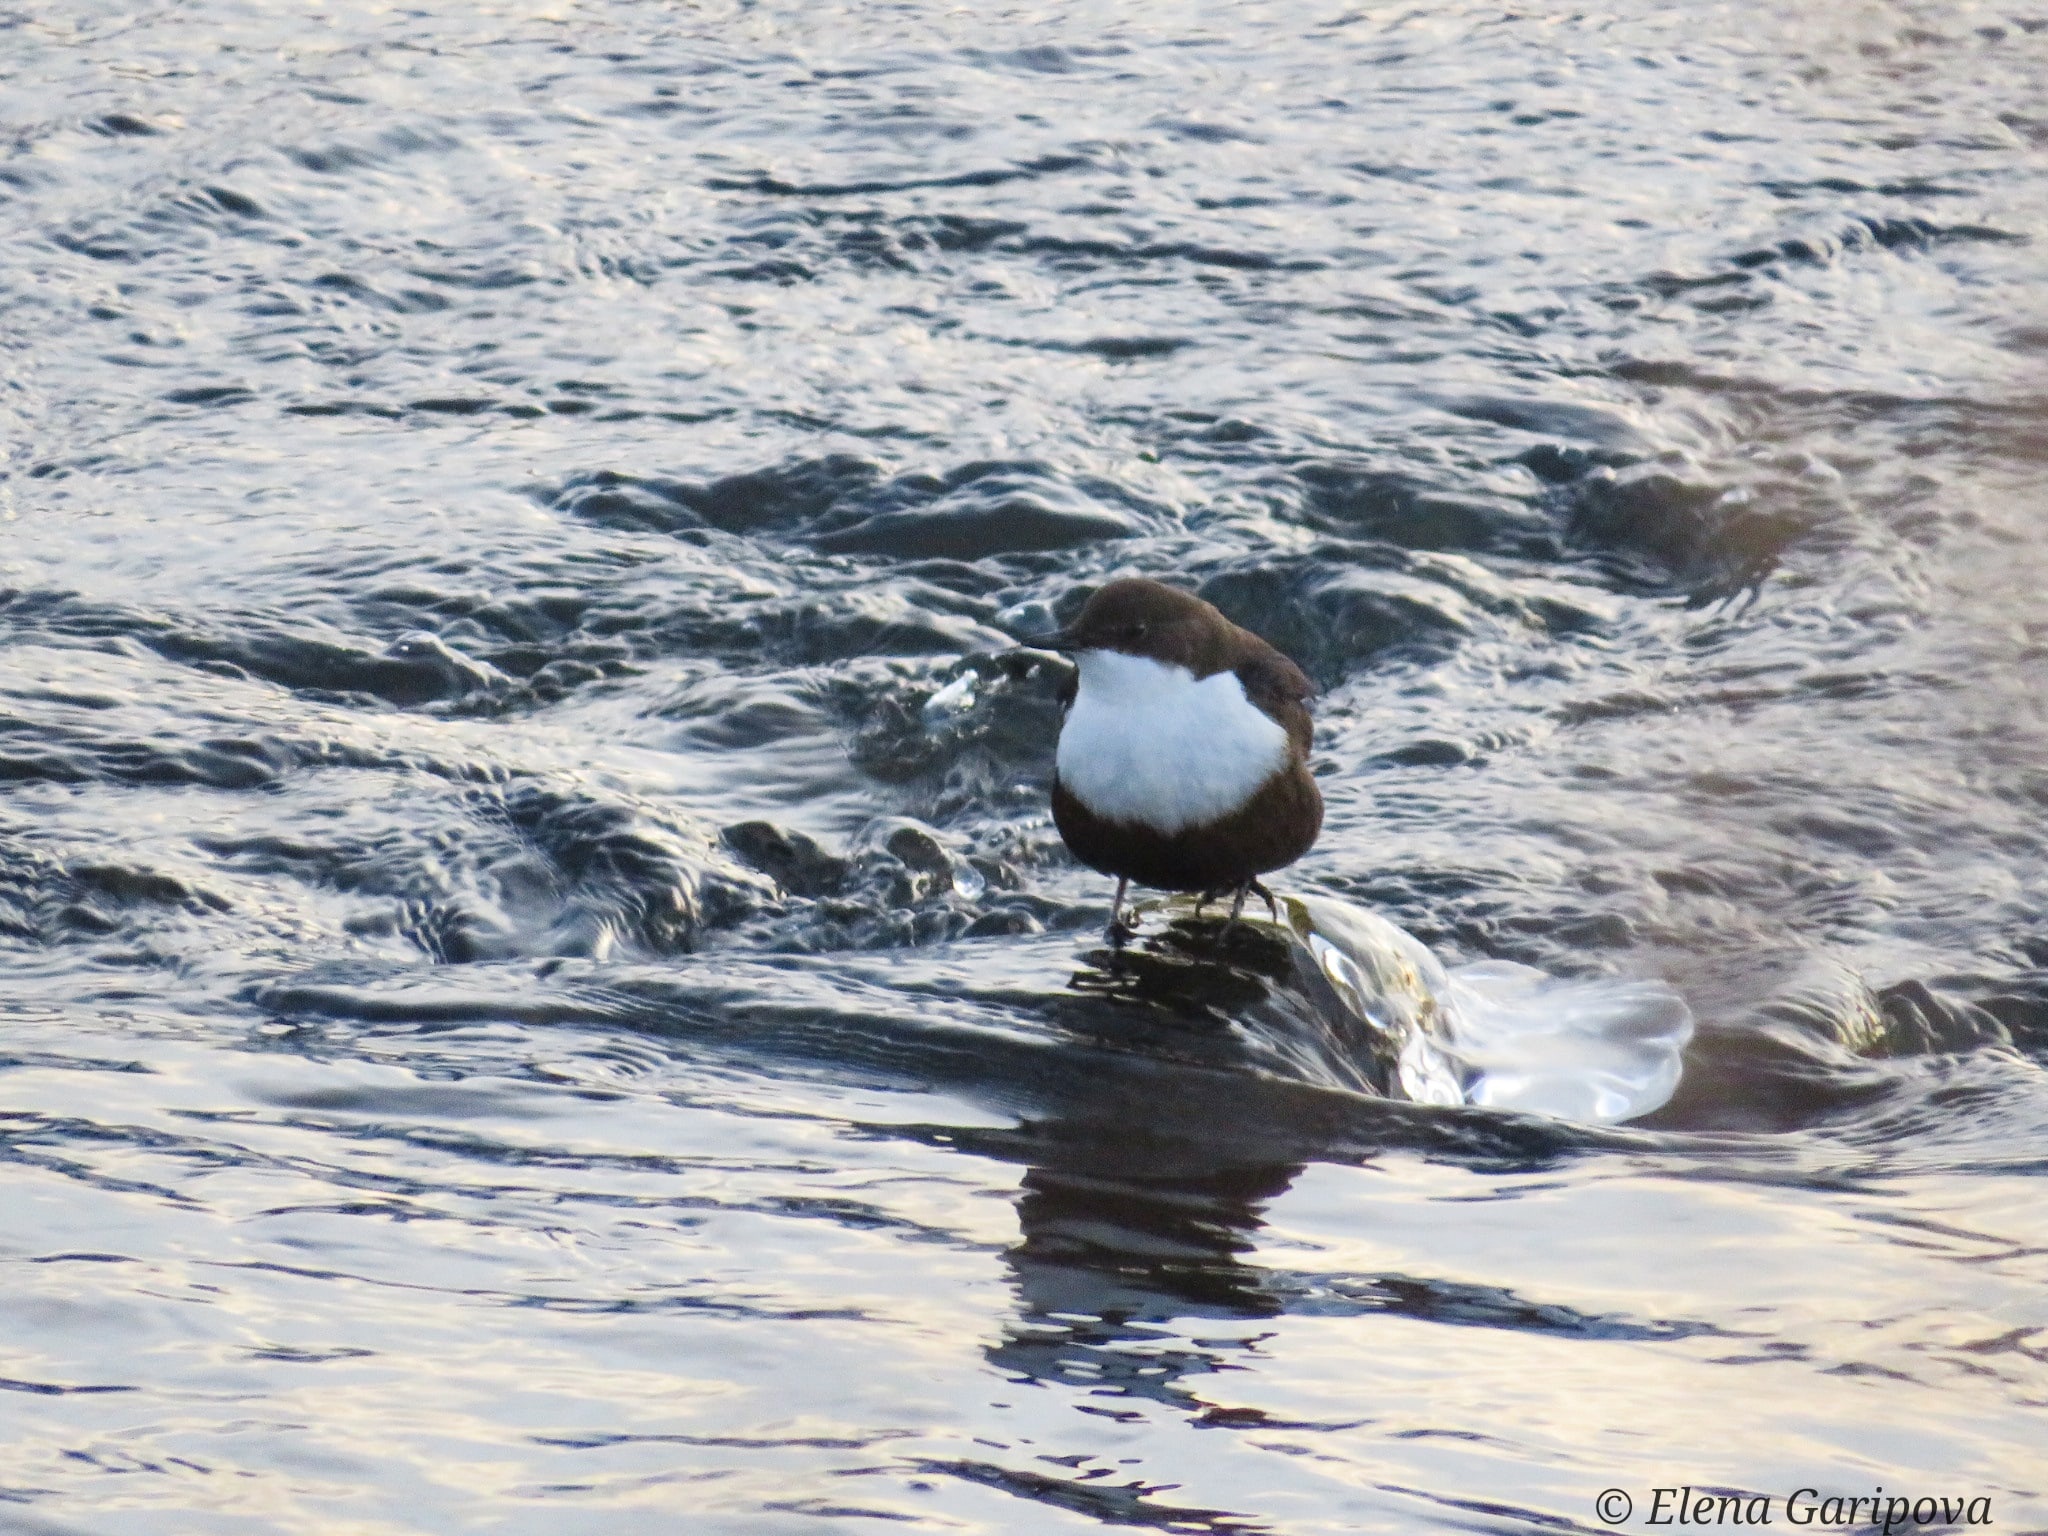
(1396, 1022)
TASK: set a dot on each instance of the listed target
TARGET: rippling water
(540, 993)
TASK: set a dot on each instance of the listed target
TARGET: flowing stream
(538, 989)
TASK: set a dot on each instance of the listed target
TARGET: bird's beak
(1055, 640)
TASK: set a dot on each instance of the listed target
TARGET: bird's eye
(1135, 631)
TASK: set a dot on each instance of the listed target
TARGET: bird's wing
(1271, 680)
(1280, 688)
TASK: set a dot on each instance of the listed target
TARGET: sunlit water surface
(540, 994)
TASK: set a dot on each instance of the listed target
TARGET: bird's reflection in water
(1109, 1257)
(1127, 1223)
(1147, 1186)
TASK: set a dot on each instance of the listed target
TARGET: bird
(1182, 761)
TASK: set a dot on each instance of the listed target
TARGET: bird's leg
(1121, 927)
(1237, 901)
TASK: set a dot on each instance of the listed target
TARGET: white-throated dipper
(1183, 758)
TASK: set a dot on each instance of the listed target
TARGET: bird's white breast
(1147, 742)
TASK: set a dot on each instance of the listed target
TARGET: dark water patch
(1343, 606)
(181, 223)
(1050, 58)
(1120, 349)
(831, 613)
(207, 201)
(342, 408)
(124, 125)
(749, 503)
(1132, 1504)
(340, 157)
(54, 1144)
(481, 274)
(128, 885)
(38, 761)
(2020, 1005)
(96, 247)
(847, 505)
(42, 1061)
(1734, 289)
(454, 405)
(1603, 429)
(56, 1389)
(812, 241)
(211, 394)
(1871, 233)
(994, 176)
(526, 869)
(1001, 516)
(1403, 508)
(1679, 528)
(958, 232)
(413, 301)
(771, 271)
(1076, 255)
(1209, 133)
(1910, 187)
(296, 1356)
(823, 1442)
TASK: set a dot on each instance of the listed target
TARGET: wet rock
(919, 849)
(430, 657)
(797, 863)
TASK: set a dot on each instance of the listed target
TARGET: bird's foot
(1247, 889)
(1123, 922)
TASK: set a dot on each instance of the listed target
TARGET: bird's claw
(1248, 888)
(1123, 922)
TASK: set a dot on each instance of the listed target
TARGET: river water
(538, 990)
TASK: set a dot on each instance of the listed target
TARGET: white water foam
(1597, 1050)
